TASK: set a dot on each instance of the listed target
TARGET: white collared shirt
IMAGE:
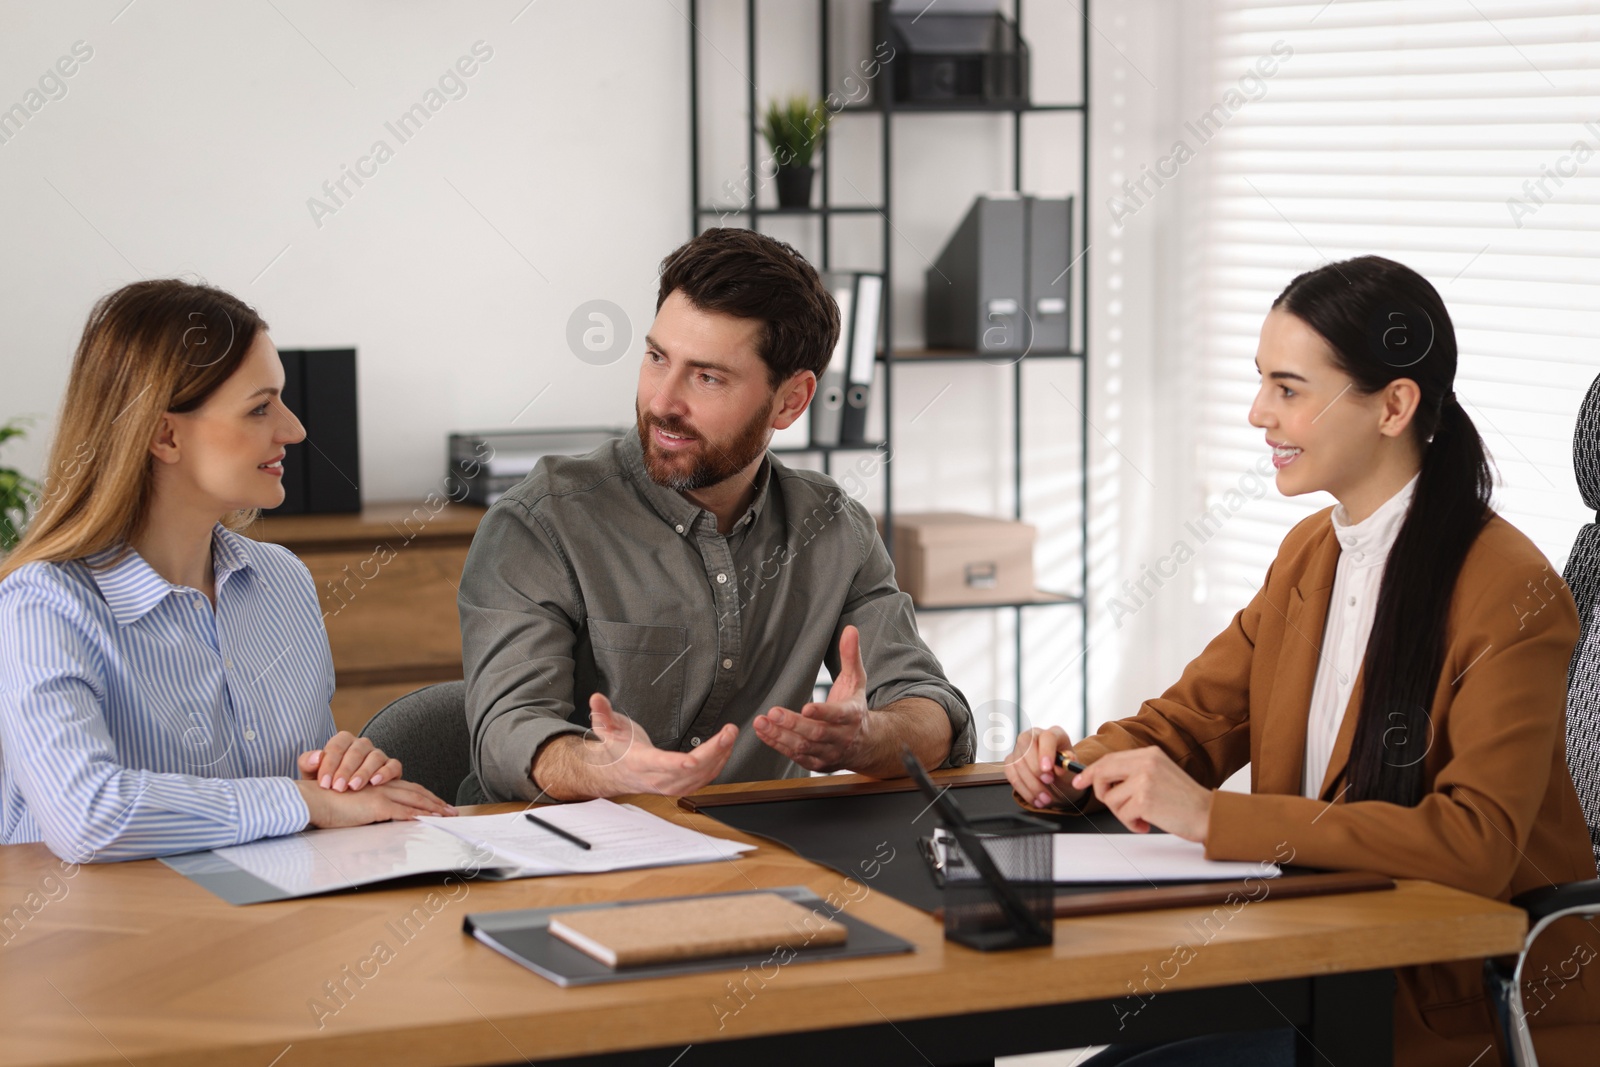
(1363, 549)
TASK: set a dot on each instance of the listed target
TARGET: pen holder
(998, 890)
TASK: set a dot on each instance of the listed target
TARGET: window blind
(1460, 137)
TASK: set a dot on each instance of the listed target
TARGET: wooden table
(132, 964)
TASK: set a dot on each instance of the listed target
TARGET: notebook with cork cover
(524, 936)
(693, 929)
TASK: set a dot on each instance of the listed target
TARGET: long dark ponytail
(1384, 322)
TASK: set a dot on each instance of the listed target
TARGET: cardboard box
(947, 558)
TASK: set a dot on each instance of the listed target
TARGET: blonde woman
(164, 680)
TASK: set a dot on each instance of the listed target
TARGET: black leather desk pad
(873, 838)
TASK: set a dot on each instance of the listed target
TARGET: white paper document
(1145, 858)
(620, 836)
(318, 861)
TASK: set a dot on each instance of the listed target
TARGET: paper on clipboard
(1134, 858)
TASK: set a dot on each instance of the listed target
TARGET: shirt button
(694, 742)
(722, 579)
(679, 527)
(227, 664)
(1358, 556)
(727, 664)
(1352, 601)
(249, 735)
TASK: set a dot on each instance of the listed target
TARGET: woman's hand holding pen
(1144, 788)
(1033, 770)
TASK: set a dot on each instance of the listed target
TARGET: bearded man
(651, 617)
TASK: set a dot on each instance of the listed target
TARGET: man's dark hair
(752, 276)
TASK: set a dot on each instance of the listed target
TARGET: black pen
(558, 831)
(1069, 764)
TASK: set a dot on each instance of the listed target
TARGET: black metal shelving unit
(885, 106)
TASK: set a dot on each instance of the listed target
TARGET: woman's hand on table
(387, 802)
(348, 762)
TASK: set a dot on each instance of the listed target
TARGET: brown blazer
(1501, 815)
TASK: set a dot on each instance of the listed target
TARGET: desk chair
(426, 730)
(1544, 906)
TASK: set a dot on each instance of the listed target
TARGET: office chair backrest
(1583, 577)
(426, 731)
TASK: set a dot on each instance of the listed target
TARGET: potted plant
(793, 130)
(16, 493)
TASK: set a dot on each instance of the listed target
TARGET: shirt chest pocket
(641, 668)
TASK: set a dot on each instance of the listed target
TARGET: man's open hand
(623, 754)
(826, 736)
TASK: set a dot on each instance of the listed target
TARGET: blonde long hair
(149, 348)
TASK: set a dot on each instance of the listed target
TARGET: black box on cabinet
(975, 58)
(294, 456)
(322, 474)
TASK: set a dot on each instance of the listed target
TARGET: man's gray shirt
(588, 577)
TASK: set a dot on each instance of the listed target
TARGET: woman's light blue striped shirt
(137, 721)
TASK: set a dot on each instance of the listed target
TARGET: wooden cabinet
(387, 580)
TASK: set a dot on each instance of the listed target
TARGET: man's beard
(710, 463)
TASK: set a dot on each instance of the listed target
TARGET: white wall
(194, 137)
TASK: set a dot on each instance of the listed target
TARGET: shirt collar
(132, 588)
(763, 481)
(230, 553)
(1369, 540)
(677, 510)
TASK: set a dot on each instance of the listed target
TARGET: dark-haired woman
(164, 681)
(1397, 685)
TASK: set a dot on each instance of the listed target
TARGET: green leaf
(794, 128)
(16, 427)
